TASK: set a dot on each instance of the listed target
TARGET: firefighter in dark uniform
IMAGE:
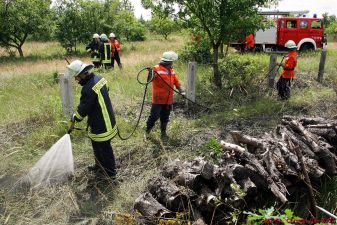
(283, 85)
(105, 51)
(162, 93)
(93, 48)
(95, 103)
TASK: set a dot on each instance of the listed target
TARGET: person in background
(164, 80)
(249, 42)
(105, 51)
(115, 49)
(93, 48)
(95, 103)
(283, 85)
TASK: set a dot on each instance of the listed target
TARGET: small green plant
(211, 148)
(270, 216)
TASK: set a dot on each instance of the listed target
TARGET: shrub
(240, 71)
(199, 51)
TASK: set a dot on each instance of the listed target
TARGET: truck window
(291, 24)
(316, 24)
(304, 24)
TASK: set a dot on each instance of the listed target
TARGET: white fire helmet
(77, 67)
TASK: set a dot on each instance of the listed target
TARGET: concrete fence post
(191, 82)
(66, 95)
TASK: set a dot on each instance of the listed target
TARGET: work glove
(182, 92)
(71, 123)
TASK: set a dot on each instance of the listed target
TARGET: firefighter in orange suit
(163, 83)
(249, 41)
(288, 73)
(115, 49)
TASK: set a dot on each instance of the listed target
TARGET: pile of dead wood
(252, 171)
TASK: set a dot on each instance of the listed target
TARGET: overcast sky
(314, 6)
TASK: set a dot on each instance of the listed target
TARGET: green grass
(31, 120)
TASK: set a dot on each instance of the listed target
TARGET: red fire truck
(308, 34)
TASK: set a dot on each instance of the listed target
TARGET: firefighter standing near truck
(164, 80)
(288, 73)
(93, 48)
(249, 42)
(95, 103)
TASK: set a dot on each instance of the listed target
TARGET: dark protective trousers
(117, 58)
(159, 111)
(283, 86)
(104, 157)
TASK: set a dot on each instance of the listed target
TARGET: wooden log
(150, 208)
(277, 189)
(168, 194)
(171, 169)
(325, 156)
(304, 120)
(314, 169)
(206, 200)
(187, 179)
(248, 186)
(240, 138)
(202, 167)
(306, 177)
(199, 222)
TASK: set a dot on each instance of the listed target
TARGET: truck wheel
(306, 47)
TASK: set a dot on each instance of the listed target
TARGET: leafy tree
(332, 30)
(329, 19)
(163, 25)
(126, 25)
(70, 25)
(21, 18)
(221, 20)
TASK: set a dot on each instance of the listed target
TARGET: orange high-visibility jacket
(290, 63)
(161, 91)
(249, 41)
(115, 46)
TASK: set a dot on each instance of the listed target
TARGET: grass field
(31, 120)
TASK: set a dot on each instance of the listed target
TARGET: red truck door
(317, 31)
(288, 30)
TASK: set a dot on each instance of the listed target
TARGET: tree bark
(151, 208)
(217, 75)
(168, 194)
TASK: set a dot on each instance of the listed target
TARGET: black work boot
(146, 134)
(93, 168)
(163, 127)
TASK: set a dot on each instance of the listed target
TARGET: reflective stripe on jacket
(105, 52)
(95, 103)
(161, 91)
(289, 65)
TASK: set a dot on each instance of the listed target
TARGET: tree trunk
(216, 72)
(20, 50)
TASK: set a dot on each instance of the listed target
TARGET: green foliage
(197, 51)
(128, 27)
(332, 30)
(22, 18)
(222, 21)
(163, 25)
(268, 216)
(211, 148)
(240, 71)
(329, 19)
